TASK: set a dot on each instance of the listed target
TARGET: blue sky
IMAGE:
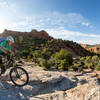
(76, 20)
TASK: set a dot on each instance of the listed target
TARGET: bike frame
(11, 61)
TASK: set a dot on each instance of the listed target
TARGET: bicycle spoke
(19, 76)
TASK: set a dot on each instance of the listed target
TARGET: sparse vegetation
(55, 54)
(45, 55)
(64, 65)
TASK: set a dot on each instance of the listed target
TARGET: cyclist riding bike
(5, 48)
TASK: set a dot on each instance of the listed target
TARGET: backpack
(2, 40)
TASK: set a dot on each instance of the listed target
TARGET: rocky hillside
(52, 85)
(33, 34)
(92, 48)
(42, 38)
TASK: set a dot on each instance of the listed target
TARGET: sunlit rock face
(52, 85)
(40, 36)
(33, 34)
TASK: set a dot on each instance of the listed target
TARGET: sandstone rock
(93, 94)
(52, 85)
(33, 34)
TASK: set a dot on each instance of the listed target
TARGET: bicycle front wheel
(19, 76)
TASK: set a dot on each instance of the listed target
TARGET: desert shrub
(39, 60)
(75, 67)
(44, 64)
(63, 54)
(51, 61)
(90, 65)
(82, 59)
(95, 59)
(97, 67)
(29, 58)
(64, 65)
(23, 57)
(88, 59)
(25, 53)
(36, 54)
(46, 53)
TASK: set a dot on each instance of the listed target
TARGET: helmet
(10, 38)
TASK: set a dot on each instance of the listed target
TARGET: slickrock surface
(52, 85)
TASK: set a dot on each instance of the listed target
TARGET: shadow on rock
(9, 92)
(50, 86)
(36, 87)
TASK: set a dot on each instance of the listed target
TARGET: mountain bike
(18, 75)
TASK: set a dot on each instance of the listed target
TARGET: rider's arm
(3, 49)
(6, 50)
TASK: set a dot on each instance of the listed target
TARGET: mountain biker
(5, 48)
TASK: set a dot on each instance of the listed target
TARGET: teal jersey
(6, 46)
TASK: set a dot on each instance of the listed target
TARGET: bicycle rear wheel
(19, 76)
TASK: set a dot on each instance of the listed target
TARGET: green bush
(46, 53)
(64, 65)
(98, 66)
(51, 61)
(88, 59)
(90, 65)
(95, 60)
(82, 59)
(75, 67)
(63, 54)
(36, 54)
(44, 64)
(25, 53)
(29, 58)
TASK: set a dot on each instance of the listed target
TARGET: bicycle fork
(16, 73)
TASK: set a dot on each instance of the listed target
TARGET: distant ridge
(92, 48)
(55, 44)
(33, 34)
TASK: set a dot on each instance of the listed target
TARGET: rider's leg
(2, 66)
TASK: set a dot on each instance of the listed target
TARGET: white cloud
(85, 24)
(3, 4)
(55, 20)
(75, 36)
(9, 6)
(69, 19)
(6, 4)
(56, 25)
(48, 19)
